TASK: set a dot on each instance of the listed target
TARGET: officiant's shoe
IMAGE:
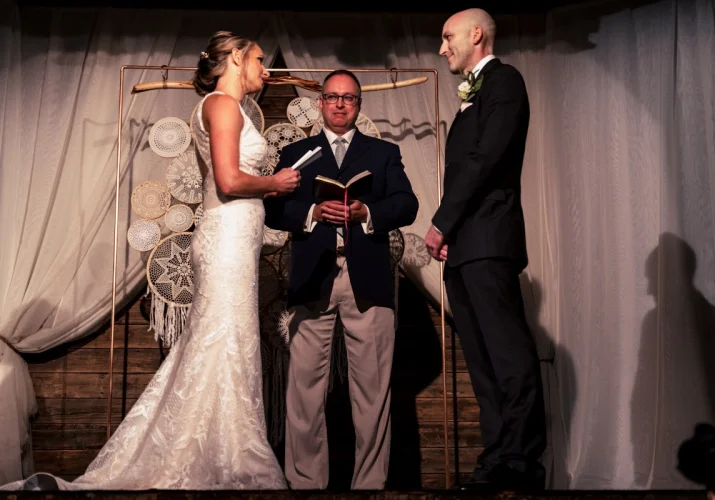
(505, 476)
(480, 479)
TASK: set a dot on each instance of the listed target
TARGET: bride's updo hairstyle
(212, 62)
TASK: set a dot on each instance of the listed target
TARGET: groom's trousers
(369, 341)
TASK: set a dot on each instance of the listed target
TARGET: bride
(200, 423)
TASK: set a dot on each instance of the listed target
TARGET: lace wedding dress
(200, 423)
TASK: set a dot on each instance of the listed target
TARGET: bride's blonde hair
(212, 62)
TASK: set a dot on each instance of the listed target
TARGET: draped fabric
(617, 192)
(59, 89)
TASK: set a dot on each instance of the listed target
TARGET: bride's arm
(224, 122)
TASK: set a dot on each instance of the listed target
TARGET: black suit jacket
(392, 205)
(480, 213)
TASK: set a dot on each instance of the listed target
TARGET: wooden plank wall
(71, 384)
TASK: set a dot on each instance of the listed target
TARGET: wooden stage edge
(349, 495)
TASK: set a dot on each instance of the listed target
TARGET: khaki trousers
(369, 341)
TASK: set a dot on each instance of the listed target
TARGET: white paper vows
(307, 158)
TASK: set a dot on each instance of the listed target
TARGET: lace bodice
(253, 151)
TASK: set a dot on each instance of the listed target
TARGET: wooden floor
(71, 384)
(374, 495)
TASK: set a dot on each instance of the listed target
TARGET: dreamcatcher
(168, 203)
(279, 136)
(169, 137)
(303, 112)
(171, 281)
(169, 275)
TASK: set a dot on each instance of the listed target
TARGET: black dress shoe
(505, 476)
(481, 474)
(479, 479)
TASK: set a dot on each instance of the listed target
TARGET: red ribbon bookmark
(345, 204)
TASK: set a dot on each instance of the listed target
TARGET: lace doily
(397, 246)
(284, 326)
(151, 199)
(419, 206)
(179, 218)
(169, 137)
(254, 112)
(143, 235)
(416, 253)
(269, 289)
(279, 136)
(191, 120)
(284, 263)
(302, 112)
(198, 214)
(184, 178)
(363, 124)
(169, 271)
(273, 240)
(275, 324)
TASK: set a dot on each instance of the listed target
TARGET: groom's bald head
(467, 37)
(471, 19)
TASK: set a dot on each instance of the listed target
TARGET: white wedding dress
(200, 423)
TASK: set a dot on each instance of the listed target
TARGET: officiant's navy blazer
(392, 204)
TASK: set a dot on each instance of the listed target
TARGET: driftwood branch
(311, 85)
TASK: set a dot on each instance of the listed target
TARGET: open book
(325, 188)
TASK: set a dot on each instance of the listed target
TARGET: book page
(359, 176)
(330, 181)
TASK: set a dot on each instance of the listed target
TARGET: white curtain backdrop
(618, 189)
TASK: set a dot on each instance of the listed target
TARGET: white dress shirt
(309, 222)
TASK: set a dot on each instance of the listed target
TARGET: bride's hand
(286, 181)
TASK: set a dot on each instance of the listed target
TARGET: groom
(340, 264)
(479, 231)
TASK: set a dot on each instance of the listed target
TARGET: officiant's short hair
(345, 72)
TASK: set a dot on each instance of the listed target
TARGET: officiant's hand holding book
(325, 188)
(331, 191)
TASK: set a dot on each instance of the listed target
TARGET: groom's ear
(477, 35)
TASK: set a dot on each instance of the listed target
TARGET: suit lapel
(326, 165)
(482, 73)
(453, 126)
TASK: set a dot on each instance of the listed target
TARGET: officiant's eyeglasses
(349, 99)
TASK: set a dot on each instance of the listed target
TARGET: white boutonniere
(469, 86)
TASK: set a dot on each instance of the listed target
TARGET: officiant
(340, 263)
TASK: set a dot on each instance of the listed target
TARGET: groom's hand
(330, 212)
(434, 241)
(443, 253)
